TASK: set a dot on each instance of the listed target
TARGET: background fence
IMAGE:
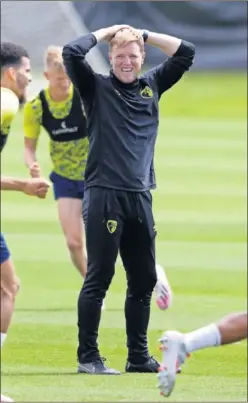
(218, 29)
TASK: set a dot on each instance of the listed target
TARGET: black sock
(137, 312)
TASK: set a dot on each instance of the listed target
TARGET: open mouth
(126, 70)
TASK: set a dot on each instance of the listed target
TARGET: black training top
(122, 119)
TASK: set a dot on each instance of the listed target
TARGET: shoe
(6, 399)
(179, 369)
(96, 367)
(174, 355)
(151, 365)
(162, 289)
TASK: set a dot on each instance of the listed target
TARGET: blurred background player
(15, 77)
(58, 110)
(176, 346)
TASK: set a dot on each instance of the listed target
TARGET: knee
(144, 285)
(17, 285)
(153, 280)
(11, 289)
(149, 281)
(97, 282)
(74, 243)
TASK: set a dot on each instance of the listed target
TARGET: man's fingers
(42, 192)
(41, 195)
(35, 170)
(38, 187)
(121, 27)
(42, 182)
(35, 167)
(35, 174)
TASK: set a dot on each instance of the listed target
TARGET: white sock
(3, 337)
(161, 276)
(208, 336)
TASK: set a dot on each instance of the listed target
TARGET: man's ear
(46, 74)
(11, 73)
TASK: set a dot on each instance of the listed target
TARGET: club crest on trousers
(111, 226)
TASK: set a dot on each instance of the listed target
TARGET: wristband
(145, 35)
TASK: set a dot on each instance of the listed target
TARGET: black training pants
(117, 221)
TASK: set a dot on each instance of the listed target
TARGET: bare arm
(32, 187)
(30, 151)
(32, 129)
(30, 146)
(8, 183)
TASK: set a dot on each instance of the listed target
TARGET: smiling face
(127, 55)
(127, 61)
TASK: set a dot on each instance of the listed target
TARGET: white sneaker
(5, 399)
(174, 355)
(162, 289)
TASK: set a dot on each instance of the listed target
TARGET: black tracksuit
(122, 121)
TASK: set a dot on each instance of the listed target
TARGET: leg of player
(163, 294)
(9, 287)
(176, 346)
(70, 217)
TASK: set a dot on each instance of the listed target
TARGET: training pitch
(200, 213)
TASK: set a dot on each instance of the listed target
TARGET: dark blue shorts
(63, 187)
(5, 254)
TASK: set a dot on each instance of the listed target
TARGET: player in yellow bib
(59, 111)
(15, 77)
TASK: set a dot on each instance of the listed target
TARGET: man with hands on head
(122, 118)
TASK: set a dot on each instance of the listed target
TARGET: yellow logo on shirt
(146, 92)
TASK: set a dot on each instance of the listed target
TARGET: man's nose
(127, 60)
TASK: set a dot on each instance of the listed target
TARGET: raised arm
(80, 72)
(78, 69)
(181, 56)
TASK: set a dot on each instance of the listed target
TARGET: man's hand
(36, 187)
(112, 31)
(135, 32)
(34, 170)
(129, 33)
(108, 33)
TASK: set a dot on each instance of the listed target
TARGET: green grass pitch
(200, 212)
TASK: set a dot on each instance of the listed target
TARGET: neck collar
(134, 84)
